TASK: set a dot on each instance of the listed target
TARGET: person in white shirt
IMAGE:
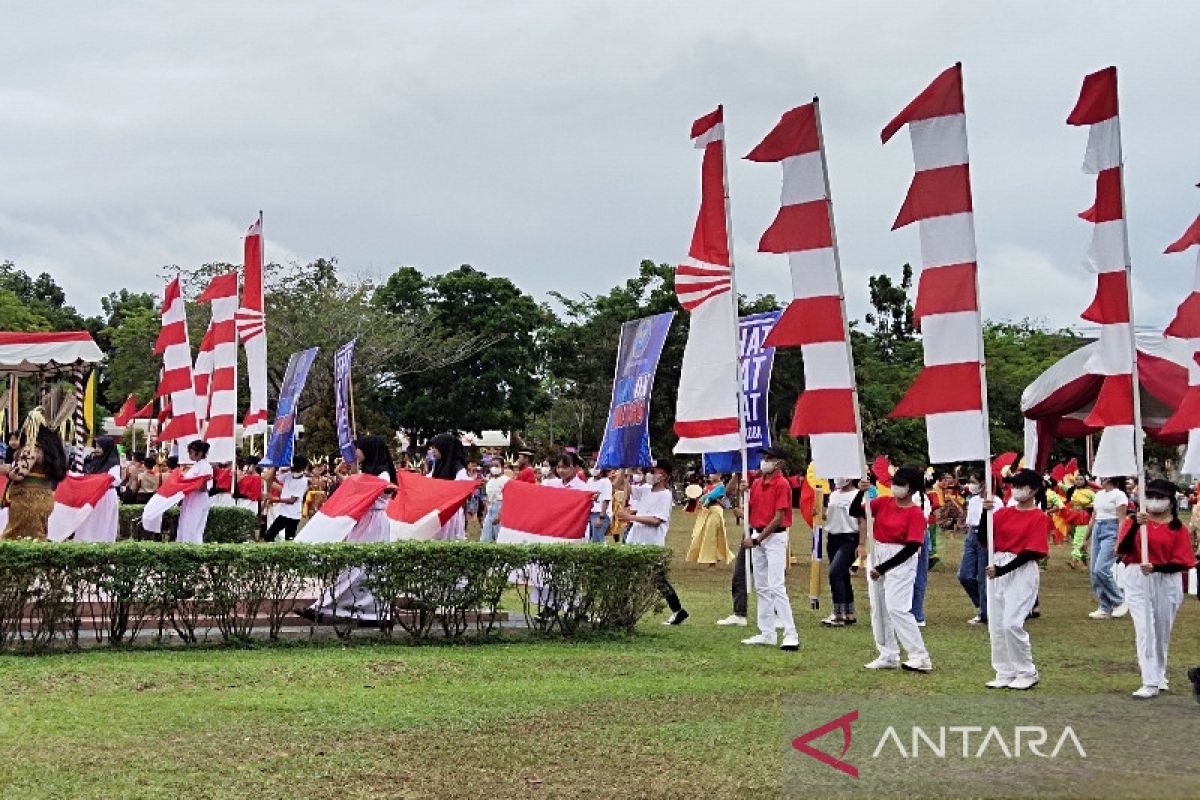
(841, 546)
(1109, 509)
(493, 491)
(600, 520)
(566, 470)
(649, 518)
(290, 502)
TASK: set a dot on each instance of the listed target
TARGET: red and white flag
(177, 381)
(128, 412)
(423, 505)
(1186, 326)
(341, 512)
(815, 320)
(535, 514)
(170, 494)
(950, 390)
(1108, 257)
(706, 411)
(220, 397)
(251, 319)
(75, 498)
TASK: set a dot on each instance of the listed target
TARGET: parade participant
(525, 470)
(1019, 540)
(972, 570)
(193, 510)
(1154, 590)
(649, 519)
(1079, 497)
(898, 530)
(600, 520)
(290, 503)
(1110, 506)
(249, 486)
(737, 584)
(129, 480)
(621, 485)
(221, 493)
(101, 524)
(495, 500)
(450, 463)
(770, 519)
(319, 484)
(148, 481)
(709, 542)
(38, 462)
(566, 474)
(841, 545)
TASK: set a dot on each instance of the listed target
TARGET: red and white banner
(177, 381)
(170, 494)
(535, 514)
(220, 397)
(1108, 257)
(423, 505)
(1186, 326)
(341, 512)
(251, 321)
(706, 411)
(815, 320)
(75, 498)
(949, 391)
(127, 412)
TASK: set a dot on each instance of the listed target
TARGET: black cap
(1025, 477)
(1162, 488)
(665, 466)
(773, 452)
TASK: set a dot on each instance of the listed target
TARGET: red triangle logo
(842, 723)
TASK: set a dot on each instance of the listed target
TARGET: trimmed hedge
(56, 593)
(226, 525)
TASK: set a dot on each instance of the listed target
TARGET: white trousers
(193, 517)
(348, 597)
(769, 561)
(247, 503)
(1010, 598)
(1153, 602)
(892, 620)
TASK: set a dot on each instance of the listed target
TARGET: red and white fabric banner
(1186, 326)
(177, 382)
(251, 321)
(220, 398)
(815, 320)
(170, 494)
(75, 498)
(535, 514)
(706, 411)
(1108, 257)
(125, 415)
(423, 505)
(341, 512)
(949, 390)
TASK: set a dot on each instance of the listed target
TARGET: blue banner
(627, 434)
(756, 362)
(342, 360)
(283, 432)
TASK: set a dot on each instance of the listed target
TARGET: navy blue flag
(342, 361)
(627, 434)
(756, 363)
(283, 432)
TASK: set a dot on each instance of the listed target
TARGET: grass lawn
(680, 712)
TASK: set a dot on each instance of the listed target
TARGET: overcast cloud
(548, 141)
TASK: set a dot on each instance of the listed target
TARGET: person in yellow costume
(1079, 497)
(709, 544)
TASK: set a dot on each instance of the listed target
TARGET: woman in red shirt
(897, 533)
(1019, 539)
(1154, 588)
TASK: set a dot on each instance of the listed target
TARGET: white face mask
(974, 488)
(495, 470)
(900, 492)
(1022, 494)
(595, 472)
(654, 479)
(636, 477)
(768, 466)
(1158, 505)
(545, 472)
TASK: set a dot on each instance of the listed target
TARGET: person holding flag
(649, 519)
(193, 509)
(101, 524)
(770, 519)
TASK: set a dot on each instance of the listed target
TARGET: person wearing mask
(193, 510)
(1154, 589)
(1079, 497)
(450, 464)
(770, 518)
(101, 524)
(1019, 540)
(649, 519)
(525, 471)
(494, 490)
(897, 533)
(39, 461)
(600, 520)
(1110, 506)
(290, 503)
(972, 570)
(841, 547)
(709, 542)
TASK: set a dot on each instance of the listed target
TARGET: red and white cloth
(1186, 326)
(533, 514)
(423, 505)
(251, 321)
(338, 515)
(218, 402)
(1108, 257)
(948, 392)
(127, 412)
(706, 411)
(815, 319)
(170, 494)
(75, 498)
(177, 381)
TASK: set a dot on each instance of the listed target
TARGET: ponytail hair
(1175, 523)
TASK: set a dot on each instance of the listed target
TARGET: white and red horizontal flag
(177, 381)
(1186, 326)
(75, 498)
(534, 514)
(341, 512)
(170, 494)
(423, 505)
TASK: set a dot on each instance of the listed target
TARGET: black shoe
(1193, 674)
(677, 618)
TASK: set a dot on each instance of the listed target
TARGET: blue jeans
(972, 570)
(598, 527)
(922, 579)
(491, 523)
(1103, 555)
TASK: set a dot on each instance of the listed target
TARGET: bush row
(226, 525)
(65, 594)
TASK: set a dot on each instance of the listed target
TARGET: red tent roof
(30, 353)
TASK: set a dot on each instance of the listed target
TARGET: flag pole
(262, 258)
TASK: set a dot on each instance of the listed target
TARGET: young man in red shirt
(770, 518)
(525, 471)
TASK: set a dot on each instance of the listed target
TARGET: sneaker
(1121, 610)
(920, 623)
(1023, 683)
(677, 618)
(778, 625)
(1164, 686)
(1146, 692)
(791, 643)
(999, 683)
(1100, 613)
(1193, 674)
(833, 621)
(882, 663)
(760, 639)
(733, 619)
(849, 620)
(913, 665)
(975, 620)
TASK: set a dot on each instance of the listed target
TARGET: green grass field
(672, 712)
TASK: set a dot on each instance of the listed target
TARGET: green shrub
(51, 593)
(226, 525)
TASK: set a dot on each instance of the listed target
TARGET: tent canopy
(34, 353)
(1057, 402)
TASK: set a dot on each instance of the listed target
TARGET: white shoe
(999, 683)
(1024, 683)
(1146, 692)
(917, 666)
(1121, 610)
(920, 623)
(882, 663)
(1100, 613)
(760, 639)
(1164, 685)
(975, 620)
(733, 619)
(791, 642)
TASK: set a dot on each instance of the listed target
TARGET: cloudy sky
(548, 141)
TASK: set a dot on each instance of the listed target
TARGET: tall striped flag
(815, 319)
(707, 417)
(220, 400)
(1116, 409)
(251, 321)
(176, 381)
(1186, 326)
(950, 391)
